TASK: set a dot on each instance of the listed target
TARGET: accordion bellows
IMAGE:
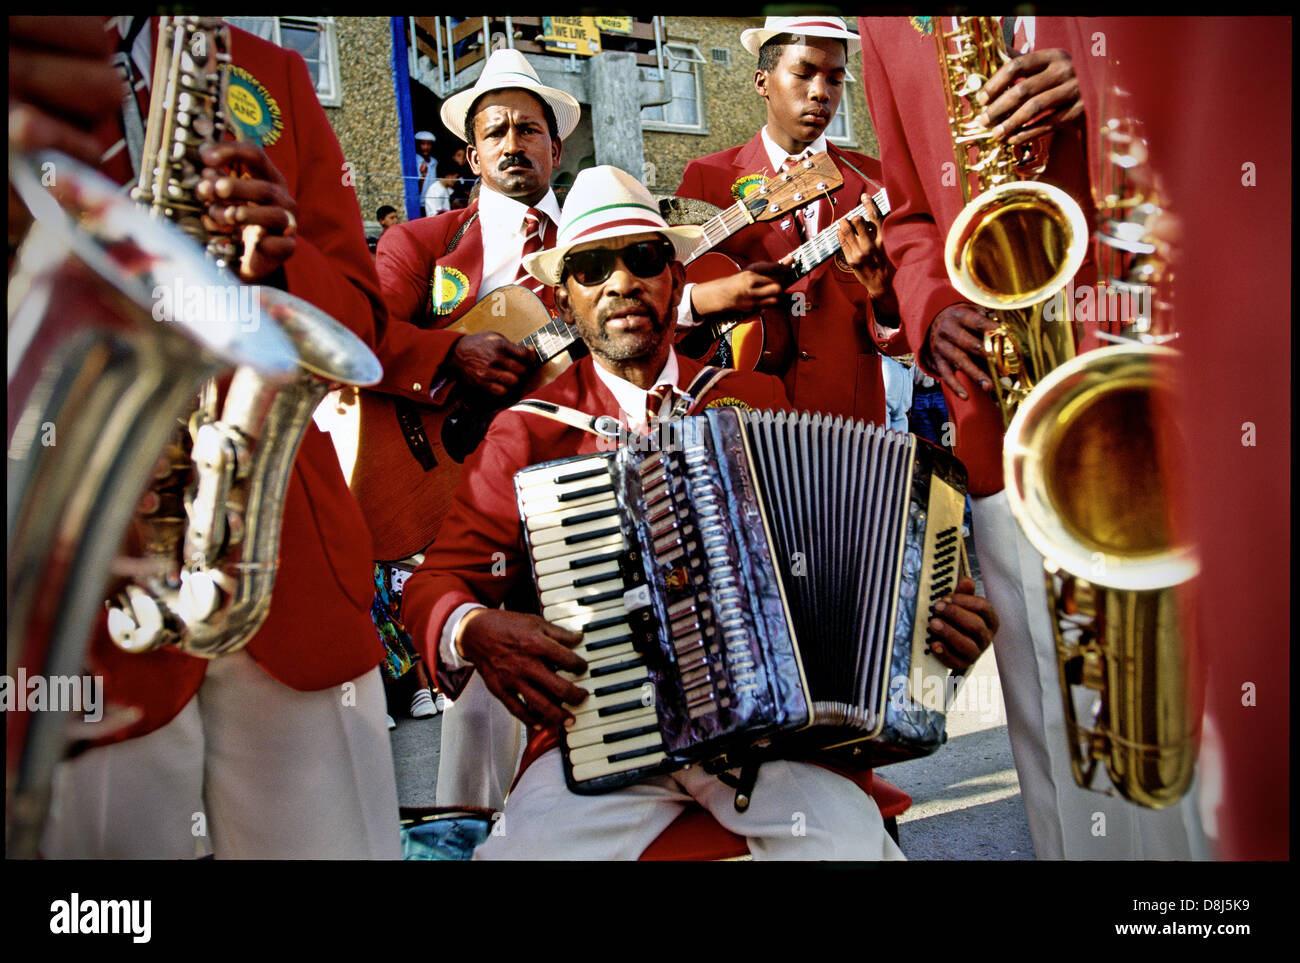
(760, 583)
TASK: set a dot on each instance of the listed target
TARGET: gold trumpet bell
(1083, 482)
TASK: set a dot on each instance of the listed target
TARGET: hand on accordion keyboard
(518, 657)
(965, 626)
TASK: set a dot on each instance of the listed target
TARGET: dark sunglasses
(645, 259)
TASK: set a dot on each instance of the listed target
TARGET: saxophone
(1079, 459)
(211, 522)
(1017, 242)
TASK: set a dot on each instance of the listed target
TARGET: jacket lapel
(455, 277)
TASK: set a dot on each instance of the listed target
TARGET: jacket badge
(251, 106)
(729, 403)
(447, 289)
(746, 186)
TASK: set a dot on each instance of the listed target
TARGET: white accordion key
(562, 517)
(571, 576)
(596, 728)
(565, 533)
(601, 751)
(577, 593)
(565, 550)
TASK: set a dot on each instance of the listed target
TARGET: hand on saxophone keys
(257, 204)
(1038, 89)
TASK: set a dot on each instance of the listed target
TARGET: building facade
(660, 91)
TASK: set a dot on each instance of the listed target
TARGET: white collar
(630, 398)
(777, 155)
(506, 215)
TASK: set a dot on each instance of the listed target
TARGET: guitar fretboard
(718, 229)
(827, 242)
(550, 339)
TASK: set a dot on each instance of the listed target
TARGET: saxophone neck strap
(607, 426)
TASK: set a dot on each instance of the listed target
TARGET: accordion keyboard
(575, 540)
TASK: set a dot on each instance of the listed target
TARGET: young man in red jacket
(279, 750)
(617, 279)
(832, 311)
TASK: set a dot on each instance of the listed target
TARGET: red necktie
(799, 226)
(659, 403)
(536, 239)
(121, 166)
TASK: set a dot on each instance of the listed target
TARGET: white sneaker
(422, 706)
(391, 723)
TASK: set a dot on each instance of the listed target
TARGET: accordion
(760, 583)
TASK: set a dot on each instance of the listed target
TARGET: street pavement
(965, 797)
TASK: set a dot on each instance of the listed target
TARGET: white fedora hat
(811, 25)
(605, 202)
(507, 69)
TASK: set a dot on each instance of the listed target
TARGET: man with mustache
(832, 311)
(432, 271)
(618, 279)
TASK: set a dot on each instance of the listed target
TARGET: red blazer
(904, 94)
(837, 369)
(483, 521)
(318, 633)
(414, 346)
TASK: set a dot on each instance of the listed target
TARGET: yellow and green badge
(252, 109)
(447, 289)
(729, 403)
(746, 186)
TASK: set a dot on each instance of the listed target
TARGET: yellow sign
(575, 35)
(614, 24)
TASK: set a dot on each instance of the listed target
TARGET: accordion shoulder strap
(602, 425)
(606, 426)
(698, 388)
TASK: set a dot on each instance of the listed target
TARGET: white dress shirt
(501, 219)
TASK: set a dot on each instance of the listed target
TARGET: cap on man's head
(606, 202)
(425, 135)
(508, 69)
(809, 25)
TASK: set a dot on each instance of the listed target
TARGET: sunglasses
(645, 259)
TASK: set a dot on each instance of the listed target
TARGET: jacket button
(416, 386)
(804, 356)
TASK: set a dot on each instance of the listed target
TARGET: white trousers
(1065, 821)
(482, 744)
(250, 769)
(797, 811)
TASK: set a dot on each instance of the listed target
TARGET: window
(840, 129)
(721, 56)
(686, 110)
(314, 38)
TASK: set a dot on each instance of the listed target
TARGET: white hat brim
(566, 109)
(548, 265)
(754, 38)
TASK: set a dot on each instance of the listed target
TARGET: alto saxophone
(1015, 245)
(211, 523)
(1080, 459)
